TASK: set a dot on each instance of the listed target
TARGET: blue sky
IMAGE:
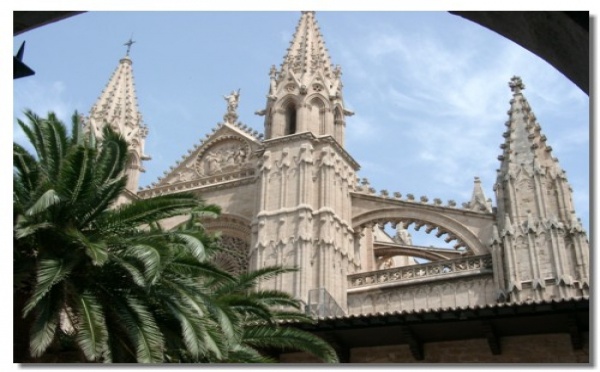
(429, 89)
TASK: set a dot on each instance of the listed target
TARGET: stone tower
(539, 247)
(306, 175)
(117, 106)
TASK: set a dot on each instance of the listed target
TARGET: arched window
(317, 117)
(290, 119)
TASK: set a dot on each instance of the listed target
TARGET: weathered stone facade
(292, 197)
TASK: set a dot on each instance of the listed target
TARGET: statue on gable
(232, 104)
(232, 101)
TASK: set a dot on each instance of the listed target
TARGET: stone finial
(516, 85)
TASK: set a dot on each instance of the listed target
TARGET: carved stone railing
(423, 272)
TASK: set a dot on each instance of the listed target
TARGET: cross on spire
(128, 44)
(516, 84)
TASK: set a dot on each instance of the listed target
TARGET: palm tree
(95, 282)
(84, 267)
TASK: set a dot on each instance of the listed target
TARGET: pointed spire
(307, 74)
(526, 154)
(478, 201)
(117, 106)
(307, 52)
(534, 199)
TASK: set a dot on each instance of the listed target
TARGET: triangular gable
(229, 149)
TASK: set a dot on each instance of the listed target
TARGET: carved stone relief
(224, 156)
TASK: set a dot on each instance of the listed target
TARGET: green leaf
(97, 251)
(144, 332)
(45, 325)
(92, 335)
(149, 256)
(48, 199)
(291, 339)
(49, 272)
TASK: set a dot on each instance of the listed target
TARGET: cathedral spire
(305, 94)
(117, 106)
(307, 52)
(535, 204)
(527, 154)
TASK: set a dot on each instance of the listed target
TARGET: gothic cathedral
(291, 197)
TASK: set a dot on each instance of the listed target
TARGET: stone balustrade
(423, 272)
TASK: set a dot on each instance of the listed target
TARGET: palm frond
(192, 243)
(76, 130)
(189, 266)
(150, 258)
(246, 354)
(288, 338)
(112, 157)
(201, 337)
(76, 172)
(27, 171)
(33, 132)
(49, 272)
(23, 230)
(55, 136)
(92, 335)
(43, 329)
(274, 298)
(105, 196)
(47, 200)
(97, 251)
(147, 211)
(136, 274)
(250, 280)
(144, 332)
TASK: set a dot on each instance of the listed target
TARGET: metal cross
(128, 44)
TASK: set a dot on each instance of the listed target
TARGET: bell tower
(304, 206)
(540, 249)
(305, 94)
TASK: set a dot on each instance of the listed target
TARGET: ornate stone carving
(416, 272)
(234, 258)
(224, 156)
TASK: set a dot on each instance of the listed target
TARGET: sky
(429, 89)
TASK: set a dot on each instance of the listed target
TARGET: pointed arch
(290, 118)
(317, 115)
